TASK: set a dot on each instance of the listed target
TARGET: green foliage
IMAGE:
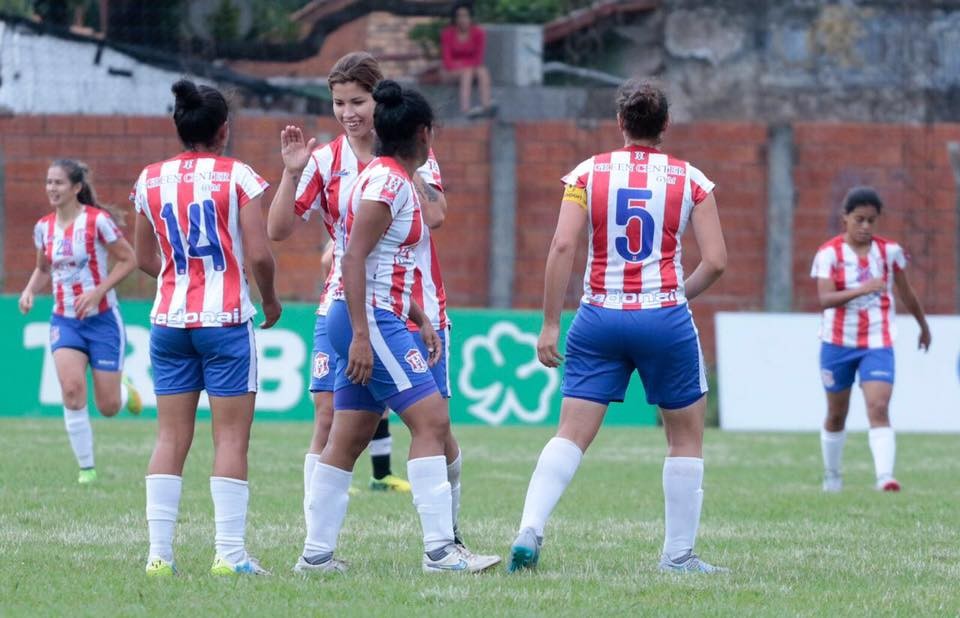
(793, 551)
(19, 8)
(225, 22)
(525, 11)
(427, 35)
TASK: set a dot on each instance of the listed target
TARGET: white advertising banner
(769, 375)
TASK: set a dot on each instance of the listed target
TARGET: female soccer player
(856, 273)
(327, 177)
(379, 363)
(637, 201)
(322, 179)
(73, 244)
(200, 216)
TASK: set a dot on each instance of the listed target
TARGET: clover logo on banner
(507, 378)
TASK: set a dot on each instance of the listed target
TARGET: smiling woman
(74, 244)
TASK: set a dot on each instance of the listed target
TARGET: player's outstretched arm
(913, 305)
(713, 249)
(295, 152)
(145, 247)
(124, 263)
(372, 220)
(260, 259)
(563, 249)
(39, 278)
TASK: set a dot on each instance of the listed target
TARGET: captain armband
(578, 195)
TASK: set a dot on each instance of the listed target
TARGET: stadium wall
(907, 163)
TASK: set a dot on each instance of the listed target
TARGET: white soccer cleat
(832, 483)
(456, 558)
(690, 563)
(324, 563)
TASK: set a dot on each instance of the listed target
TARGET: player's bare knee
(74, 396)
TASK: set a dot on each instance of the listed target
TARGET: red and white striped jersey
(639, 201)
(78, 257)
(326, 185)
(391, 266)
(865, 321)
(193, 202)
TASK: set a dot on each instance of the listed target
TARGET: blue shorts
(839, 364)
(605, 346)
(101, 337)
(401, 376)
(439, 371)
(221, 360)
(324, 366)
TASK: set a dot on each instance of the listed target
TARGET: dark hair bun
(388, 92)
(187, 94)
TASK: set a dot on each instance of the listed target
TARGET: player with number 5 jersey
(200, 218)
(635, 202)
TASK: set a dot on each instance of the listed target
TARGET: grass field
(71, 550)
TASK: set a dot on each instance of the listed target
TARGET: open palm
(294, 150)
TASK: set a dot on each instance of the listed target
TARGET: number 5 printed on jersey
(211, 249)
(630, 208)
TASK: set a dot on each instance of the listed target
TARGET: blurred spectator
(462, 44)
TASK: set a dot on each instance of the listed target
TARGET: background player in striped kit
(200, 215)
(856, 272)
(379, 362)
(321, 180)
(636, 202)
(73, 244)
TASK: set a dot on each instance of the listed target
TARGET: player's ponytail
(199, 112)
(399, 114)
(78, 173)
(643, 109)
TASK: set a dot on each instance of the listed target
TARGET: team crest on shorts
(416, 362)
(827, 376)
(54, 334)
(321, 365)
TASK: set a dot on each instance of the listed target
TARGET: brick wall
(383, 34)
(730, 154)
(116, 149)
(908, 164)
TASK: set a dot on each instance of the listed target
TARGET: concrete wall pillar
(503, 213)
(778, 284)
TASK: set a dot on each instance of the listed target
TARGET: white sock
(80, 432)
(683, 499)
(309, 462)
(163, 503)
(431, 497)
(558, 462)
(883, 445)
(831, 444)
(329, 497)
(453, 477)
(124, 395)
(230, 497)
